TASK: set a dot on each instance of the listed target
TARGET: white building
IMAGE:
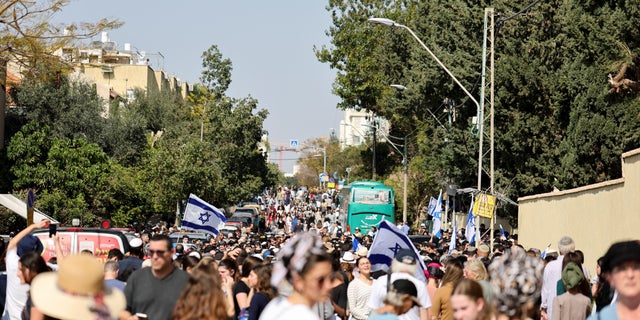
(357, 126)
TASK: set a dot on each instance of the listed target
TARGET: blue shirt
(382, 316)
(607, 313)
(115, 283)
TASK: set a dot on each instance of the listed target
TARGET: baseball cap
(406, 256)
(29, 243)
(404, 286)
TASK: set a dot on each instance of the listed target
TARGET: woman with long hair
(468, 301)
(29, 266)
(602, 291)
(228, 270)
(202, 297)
(304, 266)
(260, 282)
(573, 257)
(241, 288)
(441, 304)
(359, 290)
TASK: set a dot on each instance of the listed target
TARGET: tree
(29, 39)
(68, 177)
(563, 113)
(216, 71)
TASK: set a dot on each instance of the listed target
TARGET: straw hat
(76, 291)
(362, 251)
(348, 257)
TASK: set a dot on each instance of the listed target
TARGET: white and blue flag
(437, 217)
(470, 229)
(432, 205)
(503, 236)
(386, 244)
(201, 216)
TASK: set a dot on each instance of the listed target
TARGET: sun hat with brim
(619, 253)
(348, 257)
(362, 251)
(76, 291)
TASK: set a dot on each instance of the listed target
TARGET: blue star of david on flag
(395, 249)
(204, 217)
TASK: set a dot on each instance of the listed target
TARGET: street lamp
(324, 162)
(391, 23)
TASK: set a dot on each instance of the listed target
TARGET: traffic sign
(293, 143)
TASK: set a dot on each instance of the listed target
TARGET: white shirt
(552, 273)
(16, 292)
(379, 291)
(281, 309)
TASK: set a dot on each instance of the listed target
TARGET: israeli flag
(386, 244)
(503, 236)
(470, 231)
(432, 205)
(544, 253)
(201, 216)
(437, 217)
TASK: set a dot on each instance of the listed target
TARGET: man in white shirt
(21, 244)
(552, 274)
(403, 266)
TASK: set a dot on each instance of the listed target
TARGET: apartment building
(357, 126)
(117, 72)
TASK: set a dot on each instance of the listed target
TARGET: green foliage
(71, 109)
(135, 164)
(216, 71)
(557, 122)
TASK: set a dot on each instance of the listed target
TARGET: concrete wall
(595, 216)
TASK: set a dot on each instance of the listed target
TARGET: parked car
(240, 220)
(193, 236)
(252, 210)
(228, 229)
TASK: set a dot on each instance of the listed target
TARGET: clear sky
(270, 44)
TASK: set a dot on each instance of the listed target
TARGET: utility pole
(373, 161)
(405, 160)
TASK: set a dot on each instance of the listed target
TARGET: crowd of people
(298, 261)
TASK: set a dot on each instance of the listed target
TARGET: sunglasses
(158, 252)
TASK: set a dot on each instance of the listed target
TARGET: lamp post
(391, 23)
(324, 163)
